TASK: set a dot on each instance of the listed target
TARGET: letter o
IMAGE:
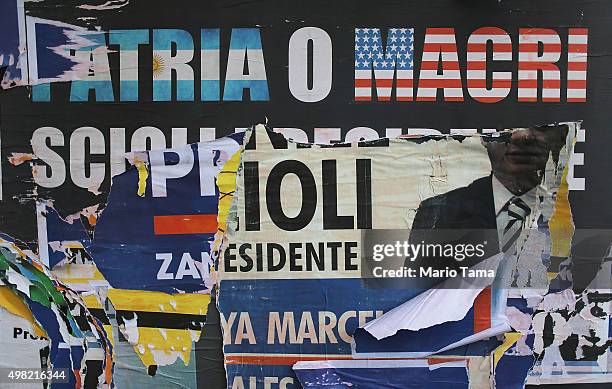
(321, 64)
(273, 195)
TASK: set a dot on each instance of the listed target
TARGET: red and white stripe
(530, 63)
(577, 51)
(404, 85)
(384, 84)
(439, 46)
(363, 85)
(501, 82)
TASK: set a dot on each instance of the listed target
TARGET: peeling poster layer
(293, 286)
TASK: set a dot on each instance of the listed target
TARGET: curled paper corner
(415, 315)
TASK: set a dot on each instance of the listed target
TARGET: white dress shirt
(501, 196)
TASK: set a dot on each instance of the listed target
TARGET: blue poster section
(275, 323)
(172, 255)
(373, 375)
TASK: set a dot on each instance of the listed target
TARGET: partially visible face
(519, 162)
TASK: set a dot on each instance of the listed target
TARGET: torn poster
(177, 75)
(418, 373)
(302, 269)
(177, 202)
(77, 342)
(36, 51)
(524, 266)
(161, 217)
(21, 334)
(61, 52)
(62, 241)
(13, 43)
(573, 334)
(461, 335)
(157, 334)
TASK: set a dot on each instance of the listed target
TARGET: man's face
(519, 162)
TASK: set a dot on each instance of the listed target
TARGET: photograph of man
(494, 208)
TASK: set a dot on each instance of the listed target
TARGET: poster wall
(89, 87)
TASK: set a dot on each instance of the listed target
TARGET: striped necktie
(516, 210)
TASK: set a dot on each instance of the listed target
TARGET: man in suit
(492, 209)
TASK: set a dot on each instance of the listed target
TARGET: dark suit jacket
(462, 216)
(469, 207)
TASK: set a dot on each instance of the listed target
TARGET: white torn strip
(111, 4)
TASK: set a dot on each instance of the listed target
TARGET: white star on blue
(396, 54)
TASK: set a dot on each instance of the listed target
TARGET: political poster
(306, 265)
